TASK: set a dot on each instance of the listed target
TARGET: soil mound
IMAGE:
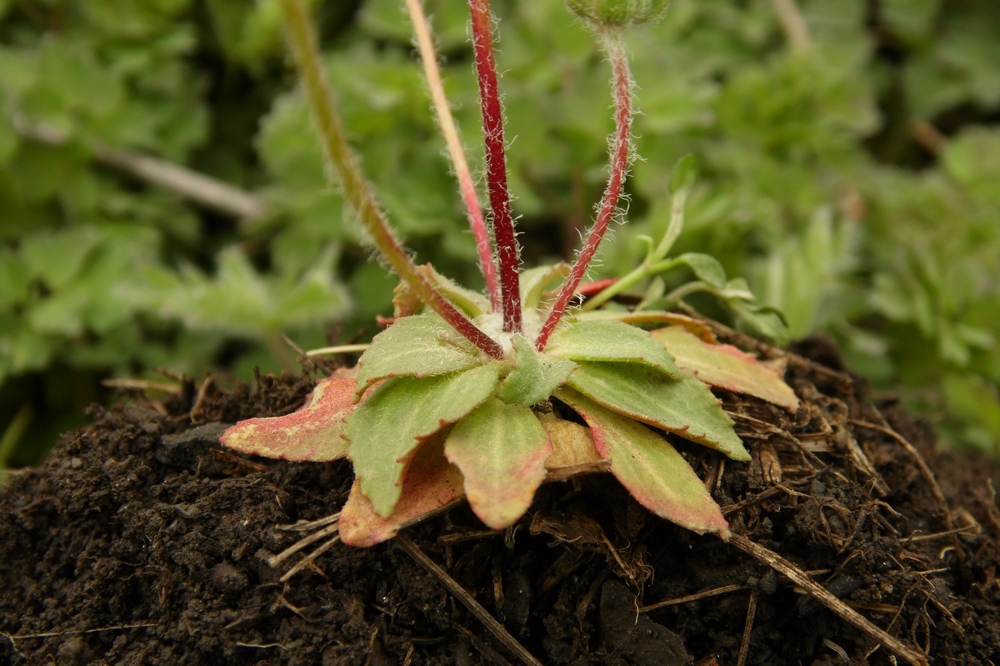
(141, 541)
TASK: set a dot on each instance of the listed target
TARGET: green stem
(653, 263)
(355, 187)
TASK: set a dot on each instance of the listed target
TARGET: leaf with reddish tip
(684, 406)
(727, 367)
(313, 433)
(384, 430)
(535, 375)
(652, 317)
(416, 346)
(431, 484)
(608, 340)
(501, 450)
(652, 470)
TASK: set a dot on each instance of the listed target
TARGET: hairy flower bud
(618, 13)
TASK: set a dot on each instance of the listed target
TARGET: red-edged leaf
(652, 317)
(652, 470)
(386, 428)
(727, 367)
(313, 433)
(431, 484)
(501, 450)
(682, 406)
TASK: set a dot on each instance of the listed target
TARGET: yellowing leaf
(727, 367)
(534, 281)
(416, 346)
(535, 375)
(682, 406)
(501, 450)
(431, 484)
(313, 433)
(573, 451)
(608, 340)
(652, 470)
(401, 413)
(653, 317)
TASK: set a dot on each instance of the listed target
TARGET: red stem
(620, 158)
(496, 165)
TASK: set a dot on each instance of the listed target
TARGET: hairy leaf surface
(416, 346)
(535, 375)
(384, 430)
(313, 433)
(535, 280)
(652, 317)
(682, 406)
(727, 367)
(652, 470)
(608, 340)
(501, 450)
(430, 484)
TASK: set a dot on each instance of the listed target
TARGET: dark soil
(140, 541)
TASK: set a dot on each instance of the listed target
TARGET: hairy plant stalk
(496, 164)
(466, 186)
(355, 187)
(621, 155)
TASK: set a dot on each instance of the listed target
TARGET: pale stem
(496, 164)
(355, 186)
(465, 183)
(621, 154)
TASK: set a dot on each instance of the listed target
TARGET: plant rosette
(454, 399)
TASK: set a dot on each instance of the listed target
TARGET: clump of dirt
(141, 541)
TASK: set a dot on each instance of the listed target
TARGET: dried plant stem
(621, 155)
(466, 186)
(356, 189)
(496, 164)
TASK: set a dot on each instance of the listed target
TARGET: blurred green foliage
(853, 180)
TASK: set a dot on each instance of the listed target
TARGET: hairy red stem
(496, 164)
(621, 153)
(356, 188)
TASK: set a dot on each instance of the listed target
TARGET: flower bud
(618, 13)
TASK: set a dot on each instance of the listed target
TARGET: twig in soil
(197, 414)
(306, 525)
(275, 560)
(467, 600)
(142, 385)
(826, 598)
(310, 558)
(747, 629)
(704, 594)
(918, 458)
(13, 638)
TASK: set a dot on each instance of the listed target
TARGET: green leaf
(56, 257)
(684, 406)
(416, 346)
(706, 267)
(652, 470)
(727, 367)
(534, 281)
(471, 302)
(654, 317)
(608, 340)
(384, 430)
(535, 375)
(312, 433)
(501, 450)
(430, 484)
(684, 175)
